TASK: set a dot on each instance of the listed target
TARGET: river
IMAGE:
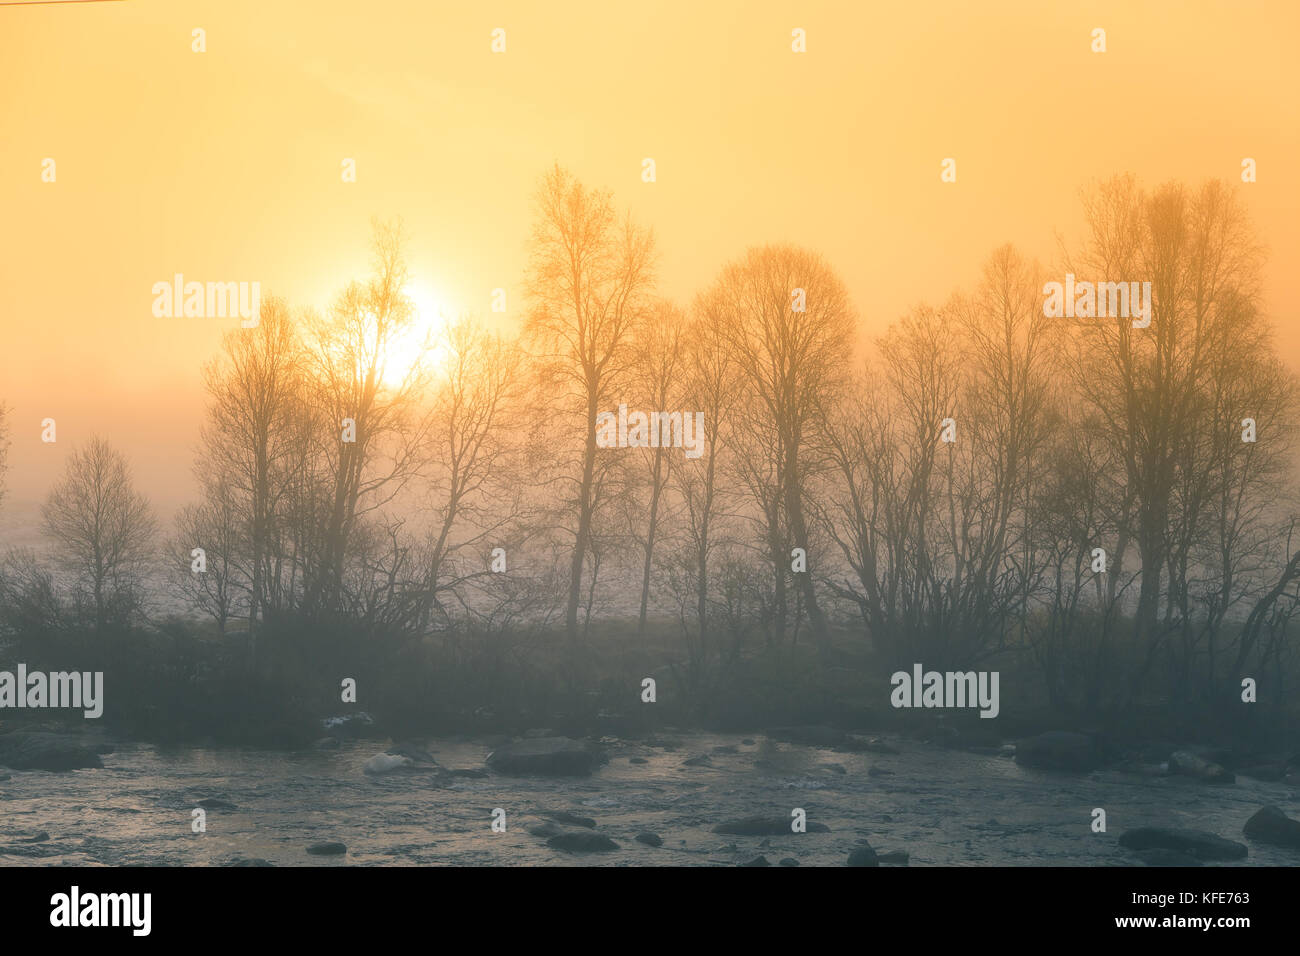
(943, 807)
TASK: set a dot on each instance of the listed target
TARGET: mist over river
(941, 806)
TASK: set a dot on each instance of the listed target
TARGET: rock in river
(545, 756)
(41, 751)
(1184, 763)
(1271, 825)
(327, 849)
(1193, 843)
(863, 856)
(386, 763)
(581, 841)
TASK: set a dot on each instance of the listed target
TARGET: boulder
(412, 750)
(1271, 825)
(765, 826)
(581, 841)
(23, 750)
(1194, 843)
(1058, 750)
(359, 724)
(863, 856)
(545, 756)
(756, 861)
(1184, 763)
(386, 763)
(650, 839)
(327, 849)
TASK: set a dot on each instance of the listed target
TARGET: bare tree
(710, 387)
(102, 528)
(222, 588)
(1147, 384)
(589, 279)
(249, 456)
(787, 320)
(472, 487)
(657, 383)
(372, 433)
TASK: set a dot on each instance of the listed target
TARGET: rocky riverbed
(680, 799)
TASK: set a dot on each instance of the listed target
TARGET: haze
(226, 165)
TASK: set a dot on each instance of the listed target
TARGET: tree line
(979, 481)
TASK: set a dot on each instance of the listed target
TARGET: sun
(420, 346)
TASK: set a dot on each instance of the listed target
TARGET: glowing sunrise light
(422, 345)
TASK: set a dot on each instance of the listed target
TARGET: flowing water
(943, 807)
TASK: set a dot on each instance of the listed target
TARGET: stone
(766, 826)
(545, 756)
(863, 856)
(1194, 843)
(1186, 764)
(1271, 825)
(23, 750)
(327, 849)
(581, 841)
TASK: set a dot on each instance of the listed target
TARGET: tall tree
(373, 431)
(1149, 384)
(657, 384)
(788, 323)
(250, 454)
(590, 277)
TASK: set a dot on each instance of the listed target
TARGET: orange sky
(226, 165)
